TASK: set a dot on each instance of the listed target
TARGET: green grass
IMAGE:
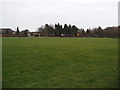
(0, 62)
(60, 62)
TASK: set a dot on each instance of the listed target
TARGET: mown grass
(0, 62)
(60, 62)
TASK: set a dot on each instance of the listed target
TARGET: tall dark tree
(65, 30)
(74, 30)
(83, 32)
(70, 30)
(58, 29)
(61, 30)
(17, 30)
(100, 31)
(88, 32)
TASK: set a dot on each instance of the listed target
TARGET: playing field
(60, 62)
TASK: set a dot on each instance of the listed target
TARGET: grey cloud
(34, 13)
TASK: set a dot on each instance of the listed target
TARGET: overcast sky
(31, 14)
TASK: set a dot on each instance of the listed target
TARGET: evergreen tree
(88, 32)
(17, 30)
(83, 32)
(74, 30)
(100, 32)
(65, 29)
(56, 30)
(70, 29)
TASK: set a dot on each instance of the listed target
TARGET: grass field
(60, 62)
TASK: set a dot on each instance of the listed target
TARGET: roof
(3, 30)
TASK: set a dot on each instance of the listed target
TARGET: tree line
(73, 31)
(65, 30)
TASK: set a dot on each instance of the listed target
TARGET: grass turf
(60, 62)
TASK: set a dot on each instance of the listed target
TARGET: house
(34, 34)
(78, 34)
(6, 31)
